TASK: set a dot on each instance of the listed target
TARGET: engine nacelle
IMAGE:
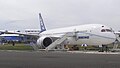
(44, 41)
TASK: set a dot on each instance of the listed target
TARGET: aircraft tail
(42, 26)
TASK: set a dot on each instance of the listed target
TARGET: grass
(16, 47)
(27, 47)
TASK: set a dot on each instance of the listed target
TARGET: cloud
(21, 14)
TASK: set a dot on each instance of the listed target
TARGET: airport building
(11, 37)
(32, 31)
(7, 36)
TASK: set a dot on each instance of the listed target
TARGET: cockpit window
(103, 30)
(106, 30)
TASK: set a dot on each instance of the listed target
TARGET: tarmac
(58, 59)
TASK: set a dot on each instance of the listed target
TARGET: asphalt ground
(42, 59)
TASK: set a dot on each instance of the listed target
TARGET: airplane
(90, 34)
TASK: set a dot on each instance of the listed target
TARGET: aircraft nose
(110, 38)
(113, 38)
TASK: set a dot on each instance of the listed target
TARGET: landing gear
(106, 48)
(103, 48)
(75, 47)
(100, 48)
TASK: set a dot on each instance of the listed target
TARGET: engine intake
(45, 41)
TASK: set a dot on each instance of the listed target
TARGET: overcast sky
(23, 14)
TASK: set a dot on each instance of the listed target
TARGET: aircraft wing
(19, 33)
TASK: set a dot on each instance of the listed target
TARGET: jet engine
(45, 41)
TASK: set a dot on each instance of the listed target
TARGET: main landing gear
(103, 48)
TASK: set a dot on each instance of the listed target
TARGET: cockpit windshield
(106, 30)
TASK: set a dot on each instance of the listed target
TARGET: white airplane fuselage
(90, 34)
